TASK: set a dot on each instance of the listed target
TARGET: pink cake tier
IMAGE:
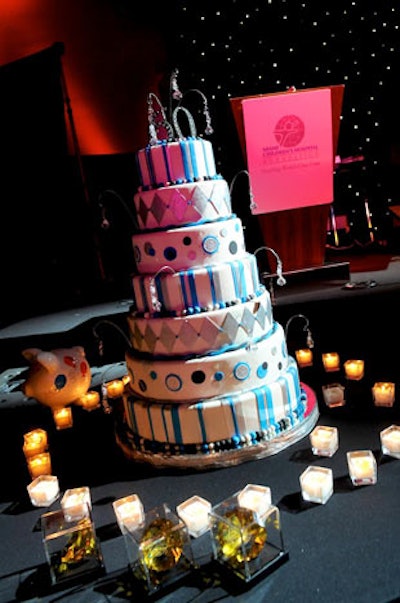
(189, 246)
(223, 329)
(196, 289)
(260, 362)
(185, 160)
(189, 203)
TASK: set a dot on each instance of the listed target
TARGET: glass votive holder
(362, 467)
(35, 442)
(255, 497)
(390, 441)
(331, 361)
(76, 502)
(354, 369)
(43, 490)
(245, 545)
(39, 464)
(115, 388)
(324, 440)
(71, 547)
(63, 417)
(333, 394)
(129, 512)
(304, 357)
(194, 512)
(159, 550)
(90, 400)
(383, 393)
(316, 484)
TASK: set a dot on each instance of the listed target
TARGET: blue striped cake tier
(189, 246)
(188, 203)
(176, 379)
(222, 329)
(266, 410)
(196, 289)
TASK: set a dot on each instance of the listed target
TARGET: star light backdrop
(255, 47)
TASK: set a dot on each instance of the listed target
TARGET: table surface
(344, 550)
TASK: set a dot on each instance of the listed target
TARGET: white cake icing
(196, 289)
(185, 160)
(189, 203)
(222, 329)
(189, 246)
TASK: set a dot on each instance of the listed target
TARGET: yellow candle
(62, 417)
(324, 440)
(90, 400)
(354, 369)
(35, 442)
(383, 393)
(362, 467)
(115, 388)
(331, 361)
(304, 357)
(40, 464)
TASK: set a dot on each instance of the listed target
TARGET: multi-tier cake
(211, 381)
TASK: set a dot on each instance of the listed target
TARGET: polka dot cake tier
(211, 381)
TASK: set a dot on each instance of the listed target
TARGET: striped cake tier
(185, 160)
(268, 408)
(259, 363)
(198, 289)
(222, 329)
(189, 246)
(189, 203)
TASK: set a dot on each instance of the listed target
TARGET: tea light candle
(194, 512)
(39, 464)
(316, 484)
(43, 490)
(35, 442)
(63, 417)
(254, 497)
(129, 512)
(115, 388)
(90, 400)
(304, 357)
(362, 467)
(331, 361)
(76, 503)
(333, 394)
(354, 369)
(383, 393)
(324, 440)
(390, 441)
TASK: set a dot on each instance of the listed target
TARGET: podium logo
(289, 131)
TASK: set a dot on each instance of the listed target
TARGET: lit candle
(76, 503)
(304, 357)
(316, 484)
(90, 400)
(354, 369)
(256, 498)
(194, 512)
(324, 440)
(115, 388)
(383, 393)
(43, 490)
(331, 361)
(39, 464)
(62, 417)
(126, 379)
(362, 467)
(333, 394)
(35, 442)
(129, 512)
(390, 441)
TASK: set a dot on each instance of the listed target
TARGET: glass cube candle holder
(333, 394)
(76, 502)
(35, 442)
(43, 490)
(194, 512)
(331, 361)
(324, 440)
(383, 393)
(316, 484)
(390, 441)
(129, 512)
(362, 467)
(354, 369)
(254, 497)
(304, 357)
(244, 544)
(159, 550)
(39, 464)
(72, 549)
